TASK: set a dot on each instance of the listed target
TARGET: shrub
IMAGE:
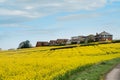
(25, 44)
(116, 41)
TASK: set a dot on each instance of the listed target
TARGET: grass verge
(91, 72)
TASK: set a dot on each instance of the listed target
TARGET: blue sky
(44, 20)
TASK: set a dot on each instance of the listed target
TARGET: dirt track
(114, 74)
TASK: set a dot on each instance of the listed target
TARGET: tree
(25, 44)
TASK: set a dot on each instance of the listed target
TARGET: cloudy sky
(43, 20)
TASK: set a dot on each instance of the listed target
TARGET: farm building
(52, 42)
(82, 38)
(61, 41)
(91, 38)
(104, 36)
(68, 42)
(77, 39)
(42, 44)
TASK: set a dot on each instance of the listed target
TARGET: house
(91, 38)
(42, 43)
(82, 38)
(77, 39)
(61, 41)
(52, 42)
(103, 36)
(68, 42)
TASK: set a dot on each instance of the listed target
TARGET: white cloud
(29, 7)
(111, 1)
(78, 16)
(1, 1)
(12, 12)
(15, 25)
(84, 4)
(19, 13)
(39, 8)
(59, 5)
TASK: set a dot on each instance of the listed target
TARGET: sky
(44, 20)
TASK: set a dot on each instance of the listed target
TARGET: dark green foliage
(25, 44)
(65, 47)
(116, 41)
(73, 42)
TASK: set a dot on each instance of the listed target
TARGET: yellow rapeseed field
(43, 64)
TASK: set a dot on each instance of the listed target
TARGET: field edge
(96, 71)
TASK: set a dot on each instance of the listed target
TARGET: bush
(116, 41)
(25, 44)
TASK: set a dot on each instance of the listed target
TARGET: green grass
(93, 72)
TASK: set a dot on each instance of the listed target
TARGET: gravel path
(114, 74)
